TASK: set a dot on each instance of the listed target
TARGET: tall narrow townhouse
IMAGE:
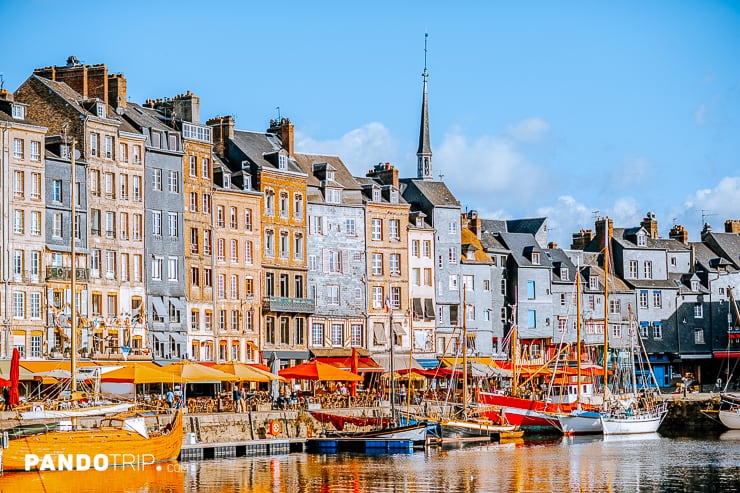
(268, 157)
(22, 175)
(499, 255)
(162, 156)
(386, 231)
(193, 182)
(442, 211)
(421, 289)
(114, 328)
(237, 267)
(336, 256)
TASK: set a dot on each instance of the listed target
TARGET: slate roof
(363, 181)
(491, 242)
(141, 117)
(531, 225)
(668, 244)
(493, 226)
(728, 245)
(683, 283)
(254, 146)
(709, 260)
(519, 244)
(559, 259)
(436, 192)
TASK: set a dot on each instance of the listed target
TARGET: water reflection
(637, 463)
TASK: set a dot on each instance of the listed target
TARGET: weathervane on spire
(425, 74)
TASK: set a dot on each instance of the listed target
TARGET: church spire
(424, 154)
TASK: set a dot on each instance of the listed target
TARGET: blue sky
(537, 108)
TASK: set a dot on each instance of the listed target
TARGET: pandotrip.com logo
(85, 462)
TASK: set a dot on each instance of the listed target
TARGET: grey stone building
(162, 158)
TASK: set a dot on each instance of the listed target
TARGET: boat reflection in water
(164, 476)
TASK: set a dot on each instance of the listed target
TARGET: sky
(569, 110)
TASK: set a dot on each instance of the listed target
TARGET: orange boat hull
(107, 447)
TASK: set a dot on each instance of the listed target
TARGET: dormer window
(376, 195)
(593, 283)
(536, 258)
(18, 112)
(695, 285)
(419, 222)
(64, 151)
(641, 239)
(394, 196)
(564, 273)
(247, 182)
(282, 161)
(100, 110)
(227, 181)
(330, 175)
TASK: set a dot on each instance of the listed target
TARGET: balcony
(290, 305)
(65, 274)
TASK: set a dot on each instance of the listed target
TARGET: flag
(387, 304)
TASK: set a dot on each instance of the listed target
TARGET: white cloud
(632, 172)
(360, 149)
(529, 130)
(718, 204)
(700, 115)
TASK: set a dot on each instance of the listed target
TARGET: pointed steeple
(424, 153)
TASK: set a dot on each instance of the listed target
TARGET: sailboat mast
(393, 379)
(465, 350)
(73, 282)
(514, 348)
(578, 335)
(606, 303)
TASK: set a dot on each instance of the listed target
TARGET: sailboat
(729, 407)
(643, 412)
(132, 438)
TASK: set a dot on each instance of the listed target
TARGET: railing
(292, 305)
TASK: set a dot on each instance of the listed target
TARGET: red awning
(365, 364)
(727, 354)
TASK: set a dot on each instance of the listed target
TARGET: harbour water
(622, 464)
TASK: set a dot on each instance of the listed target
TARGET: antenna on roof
(705, 213)
(596, 213)
(278, 108)
(2, 82)
(441, 176)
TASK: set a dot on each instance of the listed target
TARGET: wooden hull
(473, 428)
(731, 419)
(76, 413)
(528, 414)
(112, 447)
(416, 433)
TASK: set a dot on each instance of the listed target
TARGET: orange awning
(316, 370)
(137, 374)
(186, 371)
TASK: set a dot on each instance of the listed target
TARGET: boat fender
(38, 408)
(274, 428)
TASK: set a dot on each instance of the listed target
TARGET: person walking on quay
(243, 399)
(170, 396)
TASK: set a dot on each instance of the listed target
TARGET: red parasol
(353, 368)
(15, 375)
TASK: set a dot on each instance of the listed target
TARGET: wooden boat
(641, 421)
(38, 411)
(463, 428)
(729, 412)
(114, 443)
(414, 432)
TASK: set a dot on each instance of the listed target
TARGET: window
(641, 239)
(19, 304)
(18, 220)
(173, 181)
(452, 255)
(137, 188)
(283, 204)
(349, 226)
(284, 330)
(249, 287)
(503, 287)
(34, 306)
(206, 203)
(110, 264)
(698, 310)
(563, 299)
(531, 319)
(18, 262)
(657, 299)
(18, 112)
(94, 144)
(35, 186)
(157, 223)
(643, 298)
(333, 196)
(207, 277)
(317, 335)
(453, 282)
(394, 229)
(377, 264)
(614, 306)
(234, 287)
(657, 330)
(298, 246)
(18, 184)
(110, 224)
(313, 262)
(35, 264)
(172, 228)
(136, 154)
(356, 335)
(377, 297)
(530, 290)
(248, 219)
(56, 227)
(427, 277)
(297, 206)
(221, 287)
(536, 258)
(195, 276)
(193, 202)
(136, 228)
(18, 148)
(157, 179)
(395, 264)
(316, 225)
(452, 227)
(35, 150)
(284, 248)
(377, 229)
(699, 336)
(109, 181)
(157, 268)
(470, 313)
(221, 249)
(415, 248)
(632, 269)
(282, 161)
(416, 276)
(56, 190)
(248, 259)
(593, 283)
(205, 166)
(269, 202)
(648, 269)
(427, 250)
(469, 282)
(376, 194)
(123, 153)
(396, 297)
(332, 295)
(108, 147)
(172, 269)
(233, 221)
(123, 223)
(193, 166)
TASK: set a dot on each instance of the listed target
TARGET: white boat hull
(643, 422)
(460, 428)
(417, 434)
(77, 412)
(580, 423)
(731, 419)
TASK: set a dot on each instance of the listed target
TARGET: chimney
(603, 223)
(679, 233)
(283, 129)
(223, 131)
(581, 239)
(552, 245)
(91, 81)
(117, 90)
(650, 224)
(187, 107)
(706, 230)
(473, 222)
(732, 226)
(386, 173)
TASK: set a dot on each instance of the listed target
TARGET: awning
(379, 333)
(285, 355)
(727, 354)
(178, 337)
(400, 362)
(418, 312)
(178, 303)
(695, 356)
(644, 324)
(159, 306)
(161, 337)
(364, 364)
(428, 362)
(428, 308)
(5, 371)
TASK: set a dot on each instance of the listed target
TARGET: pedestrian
(237, 399)
(243, 399)
(170, 396)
